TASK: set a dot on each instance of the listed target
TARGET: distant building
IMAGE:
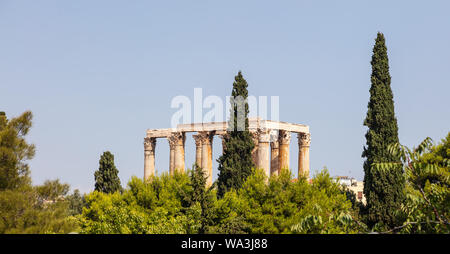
(352, 184)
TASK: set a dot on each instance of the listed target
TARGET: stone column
(178, 139)
(206, 138)
(304, 141)
(274, 160)
(284, 139)
(210, 171)
(264, 152)
(149, 157)
(198, 150)
(179, 152)
(172, 142)
(255, 137)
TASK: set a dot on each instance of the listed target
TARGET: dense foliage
(14, 151)
(36, 209)
(154, 206)
(178, 204)
(427, 174)
(76, 202)
(235, 164)
(106, 177)
(384, 191)
(25, 208)
(202, 197)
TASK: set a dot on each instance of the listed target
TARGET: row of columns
(271, 153)
(279, 151)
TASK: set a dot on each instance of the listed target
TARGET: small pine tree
(198, 183)
(106, 177)
(202, 195)
(235, 164)
(384, 191)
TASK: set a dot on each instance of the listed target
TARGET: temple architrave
(271, 153)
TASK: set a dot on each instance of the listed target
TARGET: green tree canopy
(53, 190)
(427, 174)
(36, 210)
(157, 206)
(106, 177)
(14, 151)
(202, 196)
(76, 202)
(181, 204)
(286, 206)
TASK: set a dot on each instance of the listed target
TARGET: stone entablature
(271, 153)
(255, 124)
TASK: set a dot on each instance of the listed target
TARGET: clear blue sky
(97, 74)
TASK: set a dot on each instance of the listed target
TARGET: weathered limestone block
(254, 125)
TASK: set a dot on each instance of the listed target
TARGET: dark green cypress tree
(106, 177)
(384, 191)
(235, 164)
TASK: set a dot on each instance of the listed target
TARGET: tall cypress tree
(106, 177)
(235, 164)
(384, 191)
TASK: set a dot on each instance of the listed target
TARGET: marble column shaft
(274, 157)
(149, 157)
(172, 156)
(284, 140)
(198, 150)
(255, 138)
(304, 141)
(206, 138)
(264, 152)
(176, 141)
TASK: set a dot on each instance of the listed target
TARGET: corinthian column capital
(205, 137)
(304, 139)
(263, 136)
(198, 140)
(176, 138)
(284, 137)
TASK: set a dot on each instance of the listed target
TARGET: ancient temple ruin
(271, 152)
